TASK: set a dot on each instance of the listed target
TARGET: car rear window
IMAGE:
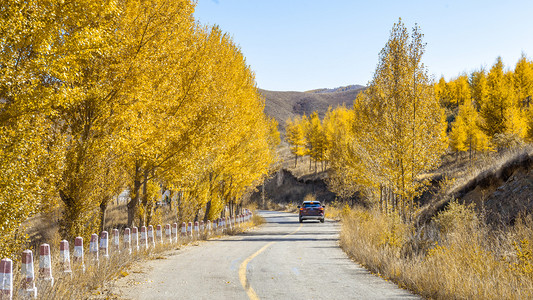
(311, 204)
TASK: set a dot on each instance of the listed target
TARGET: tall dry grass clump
(336, 210)
(455, 256)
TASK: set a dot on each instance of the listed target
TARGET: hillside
(500, 185)
(284, 105)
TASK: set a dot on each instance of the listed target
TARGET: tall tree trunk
(144, 199)
(149, 211)
(196, 216)
(103, 212)
(381, 198)
(207, 210)
(133, 204)
(68, 227)
(170, 201)
(386, 200)
(149, 202)
(208, 204)
(179, 213)
(392, 199)
(263, 198)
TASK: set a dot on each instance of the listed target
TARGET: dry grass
(290, 207)
(91, 283)
(455, 256)
(460, 170)
(116, 216)
(336, 210)
(459, 175)
(83, 285)
(258, 220)
(286, 207)
(305, 165)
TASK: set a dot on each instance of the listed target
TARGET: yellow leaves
(466, 133)
(295, 135)
(204, 124)
(500, 98)
(26, 174)
(524, 259)
(96, 96)
(397, 124)
(454, 93)
(316, 138)
(523, 79)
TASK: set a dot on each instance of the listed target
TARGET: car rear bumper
(312, 217)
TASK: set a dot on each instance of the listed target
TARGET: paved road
(280, 260)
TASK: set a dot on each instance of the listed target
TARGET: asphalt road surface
(281, 259)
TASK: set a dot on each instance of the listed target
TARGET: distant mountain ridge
(337, 89)
(284, 105)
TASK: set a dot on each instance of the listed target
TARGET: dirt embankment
(284, 187)
(501, 193)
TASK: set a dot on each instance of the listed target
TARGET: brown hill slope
(284, 105)
(500, 185)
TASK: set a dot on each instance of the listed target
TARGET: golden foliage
(497, 116)
(99, 97)
(466, 134)
(397, 126)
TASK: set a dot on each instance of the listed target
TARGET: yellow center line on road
(242, 269)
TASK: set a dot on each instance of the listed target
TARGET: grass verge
(90, 283)
(455, 256)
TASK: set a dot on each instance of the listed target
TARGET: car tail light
(321, 208)
(302, 208)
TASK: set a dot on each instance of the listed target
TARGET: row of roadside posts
(98, 249)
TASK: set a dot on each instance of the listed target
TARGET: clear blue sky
(300, 45)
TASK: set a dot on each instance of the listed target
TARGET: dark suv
(311, 210)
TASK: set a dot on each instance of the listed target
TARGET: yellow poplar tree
(218, 143)
(41, 43)
(479, 88)
(523, 80)
(466, 135)
(502, 117)
(499, 101)
(443, 93)
(159, 49)
(336, 125)
(398, 122)
(523, 83)
(462, 90)
(295, 135)
(316, 139)
(342, 179)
